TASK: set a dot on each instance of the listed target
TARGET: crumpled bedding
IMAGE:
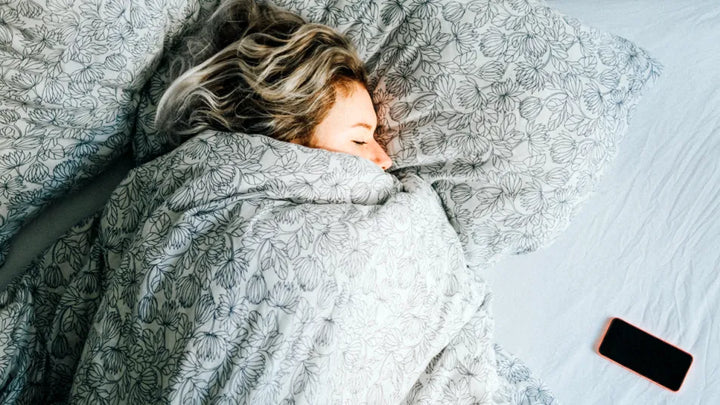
(242, 269)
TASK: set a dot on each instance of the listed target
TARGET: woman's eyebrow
(362, 124)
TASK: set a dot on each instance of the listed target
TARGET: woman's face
(349, 127)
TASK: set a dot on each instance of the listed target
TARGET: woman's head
(349, 126)
(265, 70)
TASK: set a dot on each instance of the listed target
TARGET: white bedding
(646, 246)
(62, 214)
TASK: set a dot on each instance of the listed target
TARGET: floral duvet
(241, 269)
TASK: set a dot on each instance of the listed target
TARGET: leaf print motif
(494, 43)
(283, 296)
(209, 345)
(400, 111)
(231, 309)
(538, 142)
(532, 75)
(67, 54)
(471, 146)
(36, 173)
(9, 18)
(15, 159)
(532, 199)
(400, 83)
(530, 108)
(231, 268)
(147, 309)
(560, 107)
(461, 193)
(616, 103)
(453, 11)
(444, 87)
(434, 144)
(331, 236)
(178, 236)
(248, 371)
(490, 199)
(526, 62)
(470, 95)
(392, 13)
(113, 360)
(563, 151)
(463, 37)
(309, 271)
(492, 71)
(593, 99)
(304, 376)
(205, 308)
(504, 95)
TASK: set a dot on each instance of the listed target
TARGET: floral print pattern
(260, 279)
(508, 108)
(45, 316)
(281, 283)
(230, 275)
(70, 72)
(239, 269)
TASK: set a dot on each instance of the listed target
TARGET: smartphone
(645, 354)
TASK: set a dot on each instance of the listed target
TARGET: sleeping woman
(230, 276)
(266, 71)
(217, 273)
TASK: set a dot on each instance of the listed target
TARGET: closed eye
(360, 143)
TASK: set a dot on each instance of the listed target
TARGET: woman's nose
(380, 157)
(385, 162)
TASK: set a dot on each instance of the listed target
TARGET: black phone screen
(645, 354)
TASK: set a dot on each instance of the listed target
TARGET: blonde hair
(264, 70)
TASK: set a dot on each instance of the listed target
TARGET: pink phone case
(597, 349)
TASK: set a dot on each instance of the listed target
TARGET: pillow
(69, 76)
(509, 108)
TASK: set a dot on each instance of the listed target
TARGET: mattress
(646, 246)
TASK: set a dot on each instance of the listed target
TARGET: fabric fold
(243, 268)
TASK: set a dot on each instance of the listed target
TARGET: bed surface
(646, 246)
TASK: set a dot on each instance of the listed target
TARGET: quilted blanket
(242, 269)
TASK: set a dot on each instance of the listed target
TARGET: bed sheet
(645, 246)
